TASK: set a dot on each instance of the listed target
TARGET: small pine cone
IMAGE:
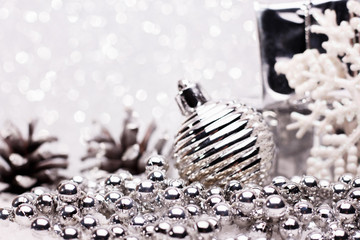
(129, 152)
(22, 163)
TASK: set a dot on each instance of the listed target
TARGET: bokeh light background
(70, 62)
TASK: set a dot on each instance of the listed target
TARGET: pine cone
(126, 153)
(22, 164)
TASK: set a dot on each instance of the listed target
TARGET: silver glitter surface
(71, 62)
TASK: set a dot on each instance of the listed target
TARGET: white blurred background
(69, 62)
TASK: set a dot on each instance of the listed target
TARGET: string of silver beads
(152, 206)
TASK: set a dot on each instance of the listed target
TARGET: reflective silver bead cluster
(151, 206)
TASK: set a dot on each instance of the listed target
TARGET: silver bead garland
(120, 205)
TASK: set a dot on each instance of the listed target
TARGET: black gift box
(282, 33)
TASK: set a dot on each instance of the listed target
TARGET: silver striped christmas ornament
(220, 141)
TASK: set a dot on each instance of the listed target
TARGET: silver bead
(112, 197)
(157, 176)
(117, 231)
(356, 182)
(89, 204)
(45, 203)
(246, 201)
(324, 215)
(89, 222)
(113, 181)
(156, 162)
(223, 212)
(173, 196)
(177, 213)
(345, 211)
(315, 235)
(339, 190)
(279, 181)
(291, 192)
(339, 234)
(204, 229)
(346, 178)
(309, 185)
(354, 195)
(232, 187)
(69, 214)
(214, 191)
(6, 213)
(41, 224)
(126, 207)
(20, 200)
(192, 194)
(290, 228)
(146, 191)
(68, 192)
(162, 229)
(115, 219)
(214, 222)
(100, 234)
(213, 200)
(269, 190)
(70, 233)
(304, 210)
(275, 206)
(138, 222)
(24, 214)
(148, 231)
(178, 232)
(178, 183)
(193, 209)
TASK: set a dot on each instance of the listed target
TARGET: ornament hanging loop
(190, 96)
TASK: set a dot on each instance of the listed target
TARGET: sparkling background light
(69, 63)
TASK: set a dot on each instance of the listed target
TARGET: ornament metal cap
(190, 96)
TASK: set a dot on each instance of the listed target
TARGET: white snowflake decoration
(332, 81)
